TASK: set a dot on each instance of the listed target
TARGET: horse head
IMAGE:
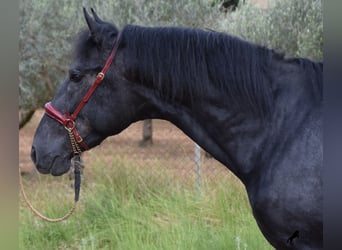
(52, 147)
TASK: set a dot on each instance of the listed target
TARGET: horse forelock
(83, 45)
(88, 52)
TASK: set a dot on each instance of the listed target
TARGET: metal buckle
(67, 126)
(80, 139)
(100, 76)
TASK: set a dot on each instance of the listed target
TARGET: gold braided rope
(36, 212)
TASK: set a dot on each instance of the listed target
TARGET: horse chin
(60, 167)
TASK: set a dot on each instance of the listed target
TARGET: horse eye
(75, 75)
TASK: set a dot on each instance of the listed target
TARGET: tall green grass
(122, 207)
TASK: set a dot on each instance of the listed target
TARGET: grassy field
(138, 198)
(118, 210)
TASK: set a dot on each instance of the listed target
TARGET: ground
(171, 149)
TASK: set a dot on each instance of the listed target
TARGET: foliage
(44, 39)
(47, 29)
(292, 27)
(226, 5)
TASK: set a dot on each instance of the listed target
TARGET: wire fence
(172, 152)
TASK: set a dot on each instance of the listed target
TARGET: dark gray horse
(251, 108)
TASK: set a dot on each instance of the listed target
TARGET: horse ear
(96, 17)
(92, 25)
(98, 28)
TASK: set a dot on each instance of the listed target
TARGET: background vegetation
(121, 210)
(292, 27)
(47, 29)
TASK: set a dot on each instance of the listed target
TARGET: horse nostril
(33, 155)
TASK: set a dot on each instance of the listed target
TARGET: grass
(122, 207)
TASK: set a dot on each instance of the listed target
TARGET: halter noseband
(68, 120)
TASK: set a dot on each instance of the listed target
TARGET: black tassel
(77, 175)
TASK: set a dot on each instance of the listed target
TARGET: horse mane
(185, 64)
(314, 76)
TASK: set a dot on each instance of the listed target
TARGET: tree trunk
(24, 117)
(147, 133)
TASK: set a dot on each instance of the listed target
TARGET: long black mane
(185, 64)
(184, 61)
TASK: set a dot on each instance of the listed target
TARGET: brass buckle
(80, 139)
(68, 126)
(100, 76)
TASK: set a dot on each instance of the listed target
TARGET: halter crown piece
(68, 121)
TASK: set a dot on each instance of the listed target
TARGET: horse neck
(233, 136)
(223, 132)
(243, 142)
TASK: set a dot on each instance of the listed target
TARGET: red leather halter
(68, 120)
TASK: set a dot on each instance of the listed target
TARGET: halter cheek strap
(67, 120)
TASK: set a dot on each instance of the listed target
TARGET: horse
(252, 108)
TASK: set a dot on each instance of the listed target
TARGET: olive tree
(47, 29)
(292, 27)
(44, 43)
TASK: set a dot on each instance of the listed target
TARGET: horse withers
(254, 110)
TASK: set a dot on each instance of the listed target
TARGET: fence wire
(172, 157)
(172, 153)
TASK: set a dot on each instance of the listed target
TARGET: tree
(47, 30)
(292, 27)
(147, 133)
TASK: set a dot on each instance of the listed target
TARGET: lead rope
(77, 174)
(74, 143)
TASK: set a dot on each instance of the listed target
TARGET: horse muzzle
(54, 165)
